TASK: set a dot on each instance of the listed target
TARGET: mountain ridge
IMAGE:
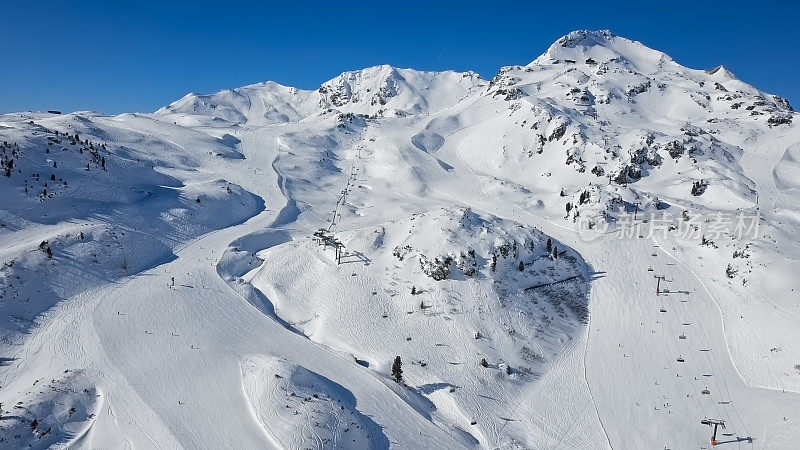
(366, 91)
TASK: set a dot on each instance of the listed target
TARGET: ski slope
(163, 287)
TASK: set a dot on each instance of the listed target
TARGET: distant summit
(586, 45)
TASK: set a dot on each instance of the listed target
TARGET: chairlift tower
(715, 423)
(658, 282)
(338, 246)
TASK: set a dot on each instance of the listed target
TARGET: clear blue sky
(119, 55)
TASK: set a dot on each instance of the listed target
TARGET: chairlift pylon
(715, 423)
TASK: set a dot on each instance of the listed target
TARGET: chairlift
(663, 310)
(683, 336)
(705, 391)
(680, 359)
(649, 269)
(654, 254)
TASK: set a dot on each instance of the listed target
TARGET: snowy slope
(169, 280)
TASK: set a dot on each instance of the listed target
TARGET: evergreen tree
(549, 245)
(521, 266)
(397, 370)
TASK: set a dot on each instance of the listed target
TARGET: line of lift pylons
(710, 422)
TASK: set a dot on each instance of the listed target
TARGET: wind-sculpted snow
(53, 412)
(100, 210)
(298, 408)
(787, 172)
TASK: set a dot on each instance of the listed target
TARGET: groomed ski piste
(543, 251)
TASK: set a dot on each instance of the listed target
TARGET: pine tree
(549, 245)
(413, 290)
(397, 370)
(521, 266)
(555, 252)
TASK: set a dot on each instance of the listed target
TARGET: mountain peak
(602, 45)
(721, 73)
(383, 89)
(586, 38)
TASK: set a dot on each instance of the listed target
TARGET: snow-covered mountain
(380, 91)
(593, 250)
